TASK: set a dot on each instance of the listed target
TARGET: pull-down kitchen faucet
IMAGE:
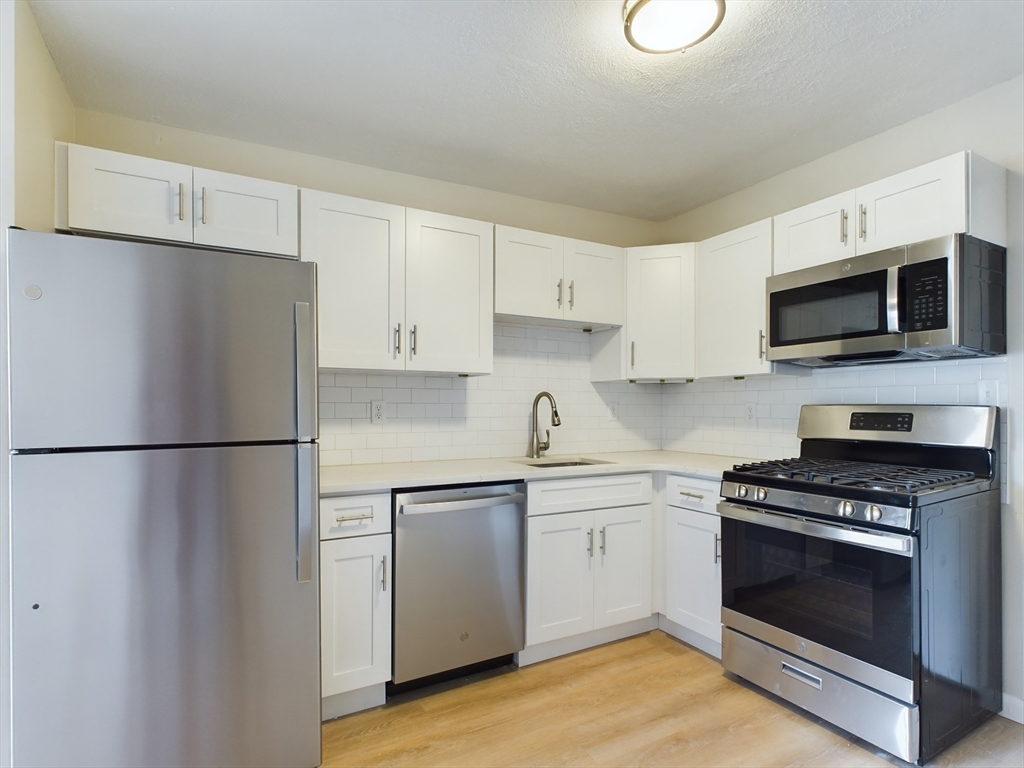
(536, 446)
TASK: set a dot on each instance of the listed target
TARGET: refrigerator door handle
(306, 510)
(305, 373)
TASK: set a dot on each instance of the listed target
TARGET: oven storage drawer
(874, 717)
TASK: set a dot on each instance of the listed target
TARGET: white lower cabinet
(355, 613)
(694, 572)
(587, 570)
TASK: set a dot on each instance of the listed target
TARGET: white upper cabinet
(359, 249)
(593, 283)
(129, 195)
(528, 273)
(547, 277)
(731, 273)
(449, 304)
(660, 312)
(241, 212)
(816, 234)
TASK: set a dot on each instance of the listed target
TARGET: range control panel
(882, 422)
(927, 291)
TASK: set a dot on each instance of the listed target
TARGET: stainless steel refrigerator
(163, 500)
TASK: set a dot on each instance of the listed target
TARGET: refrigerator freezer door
(115, 343)
(157, 615)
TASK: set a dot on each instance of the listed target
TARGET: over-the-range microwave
(938, 299)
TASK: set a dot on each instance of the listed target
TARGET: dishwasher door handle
(461, 504)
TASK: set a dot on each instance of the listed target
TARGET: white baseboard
(1013, 708)
(688, 636)
(342, 704)
(565, 645)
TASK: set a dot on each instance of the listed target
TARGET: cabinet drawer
(549, 497)
(692, 493)
(344, 516)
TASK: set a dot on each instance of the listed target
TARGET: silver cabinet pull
(590, 542)
(632, 354)
(412, 339)
(604, 549)
(698, 496)
(760, 344)
(572, 293)
(803, 677)
(181, 201)
(349, 518)
(560, 292)
(384, 573)
(204, 205)
(842, 225)
(718, 547)
(863, 222)
(398, 339)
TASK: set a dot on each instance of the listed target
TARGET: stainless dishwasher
(458, 578)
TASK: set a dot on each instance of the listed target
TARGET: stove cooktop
(888, 478)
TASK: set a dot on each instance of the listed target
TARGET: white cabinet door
(359, 250)
(693, 567)
(919, 204)
(622, 579)
(559, 576)
(595, 277)
(449, 302)
(815, 234)
(528, 273)
(731, 273)
(244, 213)
(129, 195)
(355, 613)
(659, 311)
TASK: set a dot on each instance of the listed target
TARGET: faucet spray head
(556, 421)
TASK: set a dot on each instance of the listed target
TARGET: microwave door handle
(892, 300)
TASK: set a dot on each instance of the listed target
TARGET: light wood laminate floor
(648, 700)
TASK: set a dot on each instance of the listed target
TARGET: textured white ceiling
(542, 99)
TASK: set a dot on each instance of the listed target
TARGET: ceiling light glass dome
(669, 26)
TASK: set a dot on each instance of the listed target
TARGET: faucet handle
(543, 446)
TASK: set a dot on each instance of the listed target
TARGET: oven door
(840, 597)
(843, 309)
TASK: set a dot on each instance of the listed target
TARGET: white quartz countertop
(363, 478)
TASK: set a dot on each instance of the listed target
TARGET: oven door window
(850, 308)
(852, 599)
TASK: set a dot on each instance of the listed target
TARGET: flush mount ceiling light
(670, 26)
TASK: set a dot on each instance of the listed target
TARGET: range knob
(874, 513)
(761, 494)
(742, 491)
(846, 509)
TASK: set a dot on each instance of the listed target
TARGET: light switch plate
(988, 392)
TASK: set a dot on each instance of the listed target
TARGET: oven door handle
(886, 542)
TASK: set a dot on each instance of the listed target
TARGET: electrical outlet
(613, 412)
(377, 412)
(751, 412)
(988, 392)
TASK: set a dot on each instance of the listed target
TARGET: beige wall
(230, 155)
(43, 113)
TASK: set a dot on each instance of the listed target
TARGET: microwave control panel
(927, 288)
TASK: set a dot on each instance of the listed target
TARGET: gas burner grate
(891, 478)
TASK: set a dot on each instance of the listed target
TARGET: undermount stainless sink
(560, 461)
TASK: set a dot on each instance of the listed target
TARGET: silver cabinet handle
(760, 344)
(461, 504)
(863, 222)
(842, 225)
(412, 339)
(803, 677)
(560, 292)
(590, 542)
(349, 518)
(398, 339)
(305, 509)
(698, 496)
(632, 354)
(384, 573)
(305, 373)
(892, 300)
(204, 205)
(604, 548)
(572, 293)
(718, 547)
(181, 201)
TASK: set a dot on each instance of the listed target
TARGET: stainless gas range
(861, 581)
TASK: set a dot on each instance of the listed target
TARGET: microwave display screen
(848, 308)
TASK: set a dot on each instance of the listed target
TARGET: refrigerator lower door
(116, 343)
(158, 616)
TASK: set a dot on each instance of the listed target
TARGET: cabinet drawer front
(692, 493)
(549, 497)
(344, 516)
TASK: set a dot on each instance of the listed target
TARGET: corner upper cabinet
(659, 331)
(359, 249)
(547, 277)
(449, 301)
(815, 234)
(731, 273)
(232, 211)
